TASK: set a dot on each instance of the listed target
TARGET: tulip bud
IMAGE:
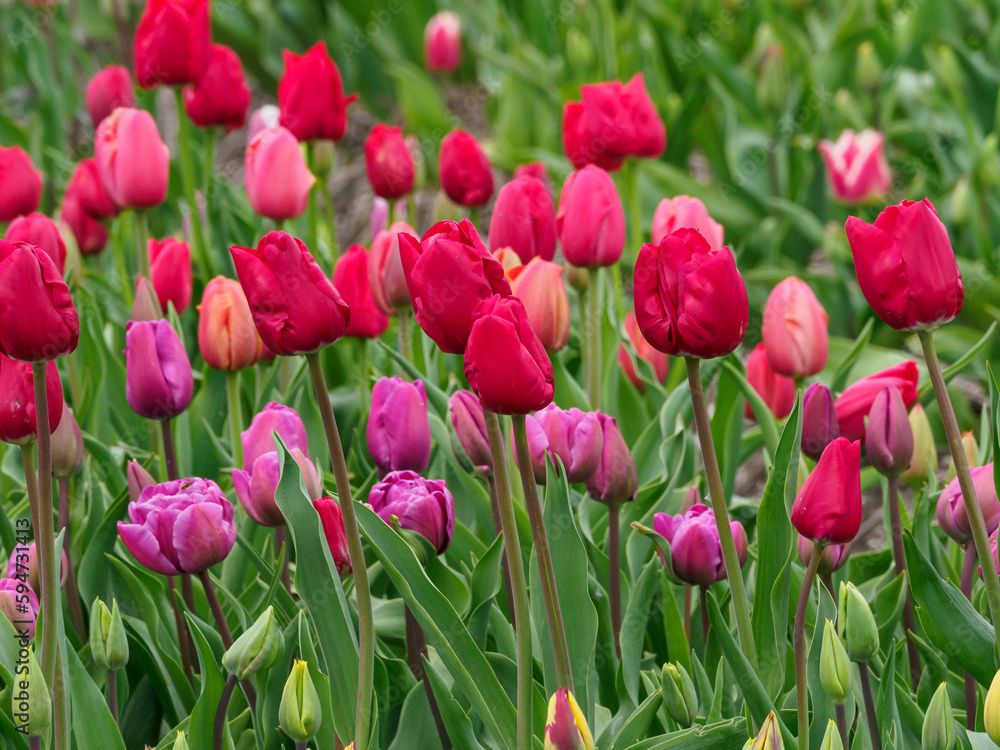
(615, 480)
(828, 507)
(819, 420)
(938, 732)
(856, 167)
(524, 220)
(158, 377)
(566, 727)
(951, 513)
(777, 391)
(20, 184)
(888, 435)
(181, 742)
(398, 433)
(540, 287)
(685, 212)
(31, 701)
(332, 519)
(831, 560)
(579, 279)
(110, 88)
(464, 170)
(138, 480)
(385, 270)
(971, 449)
(108, 642)
(924, 450)
(991, 710)
(299, 713)
(868, 67)
(67, 446)
(256, 649)
(39, 230)
(388, 162)
(795, 330)
(227, 337)
(276, 175)
(679, 696)
(590, 220)
(856, 624)
(170, 269)
(835, 670)
(695, 547)
(769, 736)
(311, 96)
(772, 81)
(470, 427)
(832, 739)
(132, 160)
(443, 42)
(220, 97)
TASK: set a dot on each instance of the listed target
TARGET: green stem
(312, 209)
(866, 689)
(892, 500)
(721, 513)
(187, 180)
(799, 645)
(411, 208)
(235, 416)
(553, 612)
(405, 339)
(594, 338)
(142, 242)
(117, 246)
(113, 694)
(207, 187)
(366, 634)
(615, 575)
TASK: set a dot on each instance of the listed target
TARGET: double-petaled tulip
(951, 513)
(158, 377)
(256, 485)
(385, 269)
(26, 563)
(388, 162)
(888, 435)
(19, 604)
(540, 287)
(575, 436)
(470, 427)
(258, 440)
(566, 726)
(311, 95)
(685, 212)
(90, 234)
(109, 89)
(464, 170)
(421, 505)
(67, 446)
(227, 337)
(38, 320)
(173, 42)
(276, 175)
(794, 330)
(182, 526)
(350, 277)
(832, 558)
(170, 264)
(138, 479)
(39, 230)
(856, 401)
(590, 220)
(777, 390)
(398, 433)
(828, 507)
(524, 220)
(924, 449)
(132, 161)
(294, 304)
(616, 479)
(20, 184)
(856, 166)
(505, 363)
(690, 300)
(695, 547)
(443, 42)
(332, 519)
(906, 267)
(221, 97)
(656, 359)
(448, 273)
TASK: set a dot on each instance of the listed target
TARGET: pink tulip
(856, 166)
(443, 43)
(276, 175)
(132, 160)
(540, 287)
(794, 330)
(685, 212)
(695, 547)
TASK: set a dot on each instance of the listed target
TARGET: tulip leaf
(722, 736)
(456, 722)
(99, 731)
(326, 735)
(633, 629)
(202, 721)
(923, 394)
(636, 726)
(843, 371)
(761, 411)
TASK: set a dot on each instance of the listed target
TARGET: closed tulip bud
(828, 507)
(333, 528)
(221, 97)
(31, 702)
(695, 547)
(856, 401)
(443, 43)
(379, 219)
(181, 742)
(388, 162)
(657, 360)
(590, 220)
(566, 727)
(85, 186)
(257, 486)
(170, 261)
(299, 713)
(158, 378)
(39, 230)
(385, 270)
(819, 420)
(616, 479)
(350, 277)
(138, 480)
(524, 220)
(67, 446)
(987, 172)
(869, 67)
(540, 288)
(938, 732)
(20, 184)
(685, 212)
(794, 330)
(256, 649)
(109, 89)
(262, 118)
(835, 670)
(832, 558)
(951, 513)
(470, 427)
(856, 167)
(398, 433)
(311, 96)
(172, 42)
(108, 642)
(132, 161)
(26, 563)
(831, 740)
(19, 604)
(421, 505)
(90, 234)
(924, 450)
(465, 172)
(17, 400)
(777, 391)
(991, 710)
(769, 736)
(580, 147)
(856, 625)
(888, 435)
(276, 175)
(227, 337)
(258, 440)
(679, 695)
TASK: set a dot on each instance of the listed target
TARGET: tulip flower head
(566, 727)
(133, 162)
(108, 642)
(924, 449)
(769, 736)
(469, 423)
(679, 696)
(616, 479)
(333, 528)
(276, 175)
(350, 277)
(399, 433)
(421, 505)
(138, 479)
(385, 270)
(227, 337)
(443, 43)
(819, 420)
(110, 88)
(524, 220)
(828, 507)
(540, 288)
(938, 731)
(794, 330)
(888, 435)
(90, 234)
(590, 220)
(20, 184)
(13, 594)
(221, 97)
(173, 42)
(39, 230)
(158, 377)
(856, 624)
(777, 391)
(836, 674)
(853, 405)
(856, 166)
(311, 96)
(685, 212)
(951, 513)
(465, 172)
(832, 558)
(170, 265)
(695, 547)
(67, 446)
(576, 437)
(300, 712)
(17, 400)
(388, 162)
(256, 487)
(258, 648)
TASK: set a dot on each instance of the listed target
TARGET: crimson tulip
(819, 420)
(39, 230)
(536, 169)
(540, 287)
(350, 277)
(828, 506)
(590, 220)
(170, 263)
(90, 234)
(399, 433)
(332, 519)
(172, 42)
(443, 42)
(311, 95)
(685, 212)
(856, 167)
(794, 330)
(86, 187)
(276, 175)
(158, 378)
(777, 390)
(388, 162)
(421, 505)
(695, 547)
(20, 184)
(465, 172)
(221, 97)
(110, 88)
(385, 270)
(580, 148)
(856, 401)
(524, 220)
(17, 400)
(132, 161)
(227, 337)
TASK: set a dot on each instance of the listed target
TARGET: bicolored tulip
(158, 377)
(590, 220)
(656, 359)
(170, 265)
(109, 89)
(173, 42)
(385, 270)
(17, 400)
(311, 95)
(398, 432)
(524, 220)
(443, 42)
(350, 277)
(508, 259)
(769, 736)
(276, 175)
(132, 160)
(465, 172)
(616, 479)
(685, 212)
(469, 423)
(856, 401)
(19, 604)
(888, 435)
(856, 166)
(227, 337)
(540, 288)
(695, 547)
(332, 519)
(566, 727)
(221, 97)
(20, 184)
(794, 330)
(819, 420)
(828, 507)
(778, 391)
(388, 162)
(39, 230)
(951, 513)
(833, 557)
(421, 505)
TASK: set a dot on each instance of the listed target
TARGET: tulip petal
(143, 545)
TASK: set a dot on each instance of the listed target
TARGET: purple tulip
(819, 420)
(158, 378)
(951, 513)
(888, 435)
(12, 605)
(138, 479)
(470, 426)
(574, 436)
(421, 505)
(616, 479)
(695, 546)
(258, 440)
(183, 526)
(399, 434)
(833, 558)
(256, 488)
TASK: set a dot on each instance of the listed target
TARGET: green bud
(869, 67)
(679, 696)
(988, 164)
(299, 713)
(939, 722)
(579, 49)
(181, 742)
(991, 710)
(856, 624)
(831, 740)
(324, 157)
(772, 81)
(108, 642)
(835, 670)
(31, 701)
(256, 649)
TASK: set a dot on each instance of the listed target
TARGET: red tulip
(777, 390)
(685, 212)
(794, 330)
(385, 270)
(227, 337)
(17, 400)
(580, 148)
(590, 221)
(91, 235)
(828, 507)
(540, 288)
(350, 277)
(449, 272)
(524, 220)
(464, 170)
(170, 261)
(295, 306)
(388, 162)
(311, 96)
(505, 363)
(535, 169)
(85, 187)
(276, 175)
(110, 88)
(172, 42)
(20, 184)
(654, 358)
(39, 230)
(690, 300)
(332, 519)
(906, 267)
(443, 43)
(132, 161)
(856, 166)
(856, 401)
(221, 97)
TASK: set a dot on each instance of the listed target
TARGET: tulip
(19, 605)
(67, 446)
(469, 423)
(508, 259)
(110, 88)
(276, 175)
(448, 273)
(657, 360)
(971, 449)
(170, 262)
(938, 731)
(311, 95)
(590, 220)
(258, 440)
(951, 513)
(524, 220)
(300, 711)
(20, 184)
(132, 161)
(924, 450)
(256, 487)
(906, 267)
(258, 648)
(91, 236)
(576, 437)
(828, 507)
(379, 219)
(85, 186)
(333, 528)
(695, 548)
(794, 330)
(227, 337)
(505, 363)
(31, 703)
(819, 420)
(158, 378)
(777, 390)
(399, 434)
(616, 480)
(831, 739)
(856, 166)
(182, 526)
(464, 170)
(17, 400)
(991, 709)
(421, 505)
(538, 448)
(145, 306)
(181, 742)
(536, 169)
(679, 696)
(685, 212)
(39, 230)
(25, 564)
(566, 726)
(443, 43)
(856, 401)
(540, 288)
(108, 642)
(385, 270)
(388, 162)
(835, 671)
(221, 97)
(138, 480)
(173, 42)
(295, 306)
(580, 148)
(689, 299)
(350, 277)
(263, 118)
(888, 435)
(833, 557)
(856, 625)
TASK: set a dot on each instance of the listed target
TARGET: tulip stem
(72, 592)
(142, 247)
(547, 576)
(968, 571)
(35, 742)
(405, 340)
(416, 650)
(519, 586)
(703, 606)
(127, 286)
(721, 513)
(687, 614)
(182, 632)
(841, 715)
(187, 180)
(312, 209)
(219, 728)
(594, 338)
(366, 634)
(281, 541)
(498, 529)
(30, 482)
(113, 694)
(972, 507)
(866, 689)
(615, 575)
(799, 644)
(235, 416)
(892, 500)
(169, 450)
(224, 631)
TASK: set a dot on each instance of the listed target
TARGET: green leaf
(636, 726)
(456, 722)
(326, 736)
(633, 631)
(762, 412)
(98, 730)
(843, 371)
(202, 721)
(726, 735)
(959, 364)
